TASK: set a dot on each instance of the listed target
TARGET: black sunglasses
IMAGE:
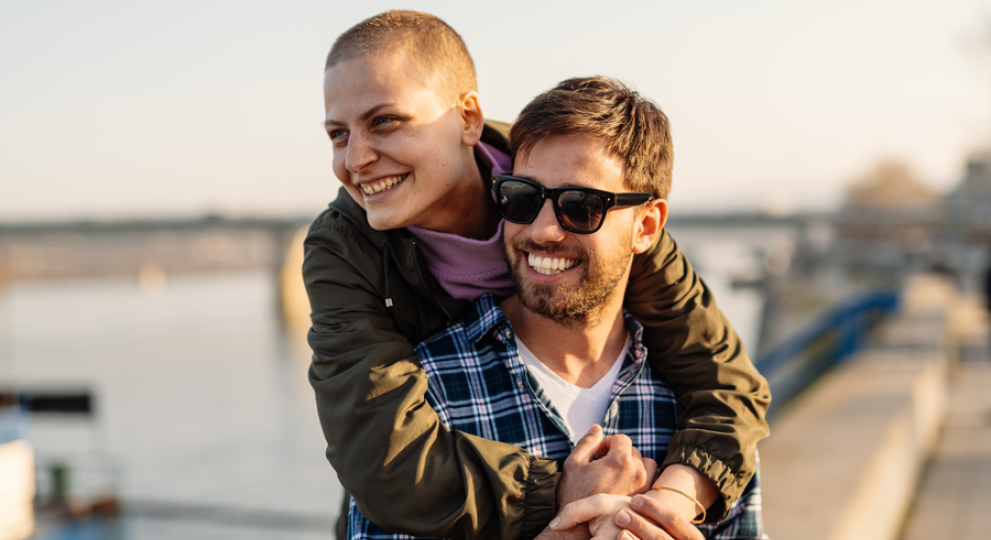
(578, 210)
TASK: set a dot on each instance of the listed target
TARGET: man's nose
(545, 229)
(360, 153)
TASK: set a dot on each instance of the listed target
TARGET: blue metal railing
(798, 361)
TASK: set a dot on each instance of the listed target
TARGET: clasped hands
(607, 484)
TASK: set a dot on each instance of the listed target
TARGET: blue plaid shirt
(478, 384)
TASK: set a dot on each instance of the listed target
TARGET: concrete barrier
(843, 461)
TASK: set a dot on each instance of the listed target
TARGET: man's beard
(569, 303)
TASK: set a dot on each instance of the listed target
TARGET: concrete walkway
(954, 497)
(844, 458)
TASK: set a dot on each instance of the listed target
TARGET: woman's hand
(598, 511)
(617, 517)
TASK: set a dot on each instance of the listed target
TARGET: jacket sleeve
(406, 471)
(691, 342)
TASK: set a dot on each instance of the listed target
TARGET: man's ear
(471, 115)
(653, 215)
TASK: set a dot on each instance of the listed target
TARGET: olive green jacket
(407, 472)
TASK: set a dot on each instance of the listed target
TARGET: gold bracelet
(689, 497)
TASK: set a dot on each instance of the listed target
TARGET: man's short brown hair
(633, 126)
(437, 53)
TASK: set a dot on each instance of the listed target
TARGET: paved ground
(954, 499)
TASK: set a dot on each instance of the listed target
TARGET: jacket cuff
(728, 481)
(539, 497)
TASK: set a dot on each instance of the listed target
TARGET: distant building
(968, 205)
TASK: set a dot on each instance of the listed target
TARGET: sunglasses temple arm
(632, 199)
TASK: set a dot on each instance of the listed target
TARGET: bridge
(151, 249)
(59, 250)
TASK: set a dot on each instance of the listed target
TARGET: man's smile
(550, 265)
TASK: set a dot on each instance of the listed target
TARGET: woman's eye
(382, 120)
(337, 133)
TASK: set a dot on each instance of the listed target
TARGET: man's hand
(610, 517)
(618, 468)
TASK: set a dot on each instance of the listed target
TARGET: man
(591, 170)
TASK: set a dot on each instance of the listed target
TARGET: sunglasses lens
(580, 210)
(518, 202)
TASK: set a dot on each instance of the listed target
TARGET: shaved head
(435, 53)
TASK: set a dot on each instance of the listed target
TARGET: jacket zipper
(423, 282)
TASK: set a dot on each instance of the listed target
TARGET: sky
(114, 109)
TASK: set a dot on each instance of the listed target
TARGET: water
(202, 401)
(724, 254)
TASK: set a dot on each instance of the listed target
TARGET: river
(201, 401)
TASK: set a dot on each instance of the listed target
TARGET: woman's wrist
(682, 505)
(686, 487)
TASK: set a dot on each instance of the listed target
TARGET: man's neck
(580, 352)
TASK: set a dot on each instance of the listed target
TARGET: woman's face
(399, 147)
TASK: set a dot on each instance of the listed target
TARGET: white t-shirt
(580, 408)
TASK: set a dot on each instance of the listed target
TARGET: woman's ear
(471, 116)
(653, 215)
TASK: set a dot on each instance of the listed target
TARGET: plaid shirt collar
(486, 321)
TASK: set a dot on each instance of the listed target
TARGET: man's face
(558, 274)
(397, 144)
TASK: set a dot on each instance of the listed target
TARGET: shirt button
(519, 382)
